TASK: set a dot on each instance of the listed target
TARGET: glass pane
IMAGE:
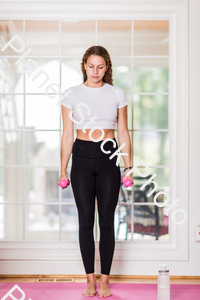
(11, 180)
(122, 73)
(11, 222)
(150, 112)
(123, 222)
(8, 29)
(151, 75)
(151, 37)
(11, 148)
(150, 223)
(11, 77)
(42, 37)
(69, 223)
(71, 74)
(145, 194)
(42, 112)
(162, 178)
(151, 147)
(11, 112)
(41, 73)
(42, 222)
(41, 185)
(77, 36)
(42, 148)
(115, 36)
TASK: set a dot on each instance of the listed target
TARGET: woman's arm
(67, 139)
(124, 137)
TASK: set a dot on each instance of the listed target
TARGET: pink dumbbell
(64, 183)
(127, 182)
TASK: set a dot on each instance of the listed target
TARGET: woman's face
(95, 68)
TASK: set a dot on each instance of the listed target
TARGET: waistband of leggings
(92, 149)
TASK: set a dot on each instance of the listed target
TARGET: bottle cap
(163, 268)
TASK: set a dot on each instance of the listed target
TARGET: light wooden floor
(112, 279)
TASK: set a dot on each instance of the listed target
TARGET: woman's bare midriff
(96, 134)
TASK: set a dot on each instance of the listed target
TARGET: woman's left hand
(129, 176)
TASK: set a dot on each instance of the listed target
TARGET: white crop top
(101, 102)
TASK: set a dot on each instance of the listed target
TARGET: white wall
(194, 127)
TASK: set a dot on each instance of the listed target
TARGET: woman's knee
(86, 221)
(106, 221)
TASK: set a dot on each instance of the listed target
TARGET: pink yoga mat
(73, 291)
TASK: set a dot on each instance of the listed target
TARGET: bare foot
(104, 290)
(90, 291)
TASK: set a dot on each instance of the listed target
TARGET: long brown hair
(101, 51)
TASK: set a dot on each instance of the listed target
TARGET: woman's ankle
(104, 278)
(91, 278)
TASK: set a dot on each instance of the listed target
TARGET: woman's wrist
(62, 173)
(127, 168)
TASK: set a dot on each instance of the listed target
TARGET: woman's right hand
(63, 177)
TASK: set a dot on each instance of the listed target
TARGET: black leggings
(93, 173)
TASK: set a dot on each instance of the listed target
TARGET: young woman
(93, 173)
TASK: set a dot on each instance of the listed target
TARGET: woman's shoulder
(68, 96)
(120, 94)
(73, 88)
(116, 89)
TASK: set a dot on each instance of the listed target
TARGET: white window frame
(68, 253)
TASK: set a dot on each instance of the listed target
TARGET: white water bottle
(163, 283)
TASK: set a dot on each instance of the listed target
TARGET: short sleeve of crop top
(122, 99)
(67, 98)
